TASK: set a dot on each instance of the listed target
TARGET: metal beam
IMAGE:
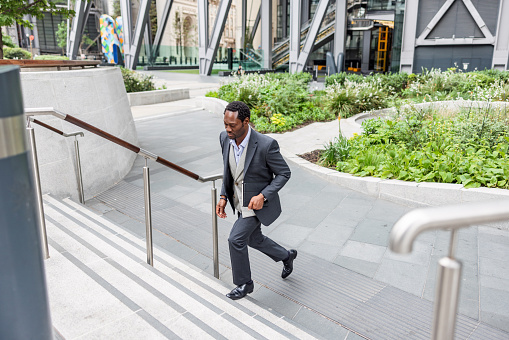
(208, 51)
(160, 28)
(203, 33)
(255, 25)
(294, 35)
(139, 29)
(125, 11)
(488, 37)
(340, 30)
(133, 40)
(501, 50)
(408, 36)
(311, 36)
(82, 9)
(266, 15)
(147, 36)
(244, 20)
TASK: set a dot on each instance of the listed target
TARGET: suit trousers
(247, 232)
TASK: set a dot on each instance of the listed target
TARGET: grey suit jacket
(265, 171)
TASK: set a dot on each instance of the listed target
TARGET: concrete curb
(157, 96)
(414, 194)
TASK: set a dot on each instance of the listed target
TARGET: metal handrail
(79, 176)
(453, 217)
(146, 176)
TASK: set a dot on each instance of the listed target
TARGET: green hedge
(16, 53)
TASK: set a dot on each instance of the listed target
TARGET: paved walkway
(339, 232)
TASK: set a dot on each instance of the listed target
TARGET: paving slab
(329, 221)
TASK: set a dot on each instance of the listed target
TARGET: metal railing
(453, 217)
(146, 178)
(77, 160)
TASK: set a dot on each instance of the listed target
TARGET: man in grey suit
(254, 172)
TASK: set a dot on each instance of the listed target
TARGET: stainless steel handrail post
(452, 217)
(79, 177)
(215, 241)
(37, 180)
(447, 294)
(148, 213)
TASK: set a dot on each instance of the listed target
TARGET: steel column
(294, 35)
(255, 25)
(203, 34)
(409, 36)
(340, 32)
(127, 23)
(82, 9)
(309, 43)
(24, 311)
(501, 50)
(137, 38)
(266, 16)
(161, 26)
(208, 51)
(244, 20)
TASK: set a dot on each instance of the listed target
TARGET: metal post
(79, 177)
(447, 293)
(24, 310)
(148, 213)
(215, 246)
(37, 181)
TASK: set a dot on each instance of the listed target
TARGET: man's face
(234, 127)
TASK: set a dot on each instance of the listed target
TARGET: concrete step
(101, 287)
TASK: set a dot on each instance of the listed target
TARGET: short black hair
(241, 108)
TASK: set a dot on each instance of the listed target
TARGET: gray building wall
(443, 57)
(457, 22)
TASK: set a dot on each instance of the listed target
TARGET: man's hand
(220, 208)
(256, 202)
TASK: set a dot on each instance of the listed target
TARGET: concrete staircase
(100, 287)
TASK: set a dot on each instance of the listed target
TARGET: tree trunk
(1, 44)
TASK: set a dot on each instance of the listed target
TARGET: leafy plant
(135, 82)
(16, 53)
(470, 148)
(7, 41)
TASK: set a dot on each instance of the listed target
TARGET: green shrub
(470, 148)
(51, 57)
(16, 53)
(278, 101)
(135, 82)
(351, 98)
(212, 94)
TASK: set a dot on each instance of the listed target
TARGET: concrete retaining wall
(157, 96)
(96, 96)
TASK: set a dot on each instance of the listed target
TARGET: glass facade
(397, 35)
(381, 5)
(47, 28)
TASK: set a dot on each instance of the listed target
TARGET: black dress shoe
(288, 264)
(240, 291)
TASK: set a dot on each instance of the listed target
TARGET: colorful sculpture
(112, 39)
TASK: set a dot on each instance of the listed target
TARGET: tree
(12, 11)
(7, 41)
(61, 36)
